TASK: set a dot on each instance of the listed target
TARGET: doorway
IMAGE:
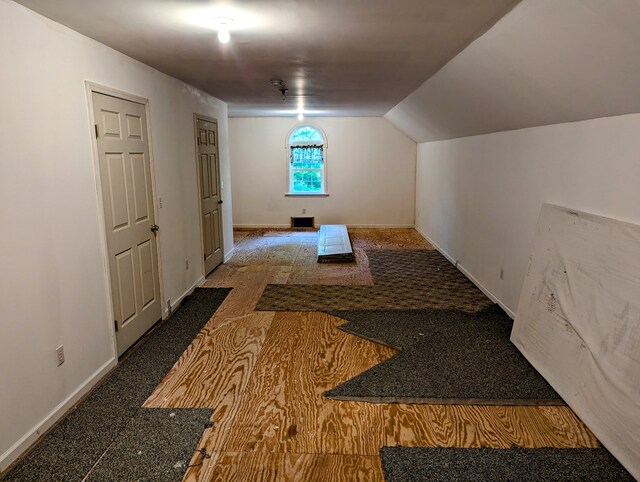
(124, 163)
(210, 188)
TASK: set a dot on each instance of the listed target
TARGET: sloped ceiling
(546, 62)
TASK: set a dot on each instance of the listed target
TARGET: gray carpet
(156, 445)
(421, 464)
(446, 357)
(71, 449)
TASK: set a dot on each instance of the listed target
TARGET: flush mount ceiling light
(223, 24)
(208, 17)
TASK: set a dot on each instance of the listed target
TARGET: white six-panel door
(210, 196)
(125, 177)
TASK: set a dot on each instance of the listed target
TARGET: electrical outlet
(501, 273)
(304, 211)
(60, 353)
(160, 202)
(186, 264)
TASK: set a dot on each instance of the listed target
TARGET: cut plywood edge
(334, 243)
(578, 322)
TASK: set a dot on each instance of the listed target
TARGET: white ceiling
(545, 62)
(338, 57)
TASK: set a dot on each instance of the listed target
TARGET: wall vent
(302, 221)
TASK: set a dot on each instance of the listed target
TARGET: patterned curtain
(306, 157)
(307, 164)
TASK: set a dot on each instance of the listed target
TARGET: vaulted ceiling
(337, 57)
(545, 62)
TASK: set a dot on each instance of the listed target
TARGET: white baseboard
(280, 226)
(228, 255)
(381, 226)
(17, 449)
(261, 226)
(175, 304)
(464, 271)
(31, 437)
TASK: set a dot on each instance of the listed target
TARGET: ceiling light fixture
(223, 23)
(281, 86)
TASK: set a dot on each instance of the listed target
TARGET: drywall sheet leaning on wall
(578, 322)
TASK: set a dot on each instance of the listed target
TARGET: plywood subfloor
(264, 374)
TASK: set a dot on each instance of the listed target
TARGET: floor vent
(302, 221)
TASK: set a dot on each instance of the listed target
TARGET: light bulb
(223, 34)
(300, 116)
(223, 28)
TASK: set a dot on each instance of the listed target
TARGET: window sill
(306, 194)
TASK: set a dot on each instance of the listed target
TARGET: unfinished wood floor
(264, 373)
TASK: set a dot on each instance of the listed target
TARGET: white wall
(370, 173)
(53, 288)
(478, 198)
(545, 62)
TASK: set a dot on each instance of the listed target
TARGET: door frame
(92, 87)
(206, 118)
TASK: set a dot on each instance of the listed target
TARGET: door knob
(154, 228)
(220, 202)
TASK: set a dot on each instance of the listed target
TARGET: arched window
(307, 167)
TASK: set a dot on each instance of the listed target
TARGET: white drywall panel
(578, 322)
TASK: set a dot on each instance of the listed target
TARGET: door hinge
(115, 323)
(198, 139)
(96, 127)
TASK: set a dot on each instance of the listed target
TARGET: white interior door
(125, 177)
(210, 197)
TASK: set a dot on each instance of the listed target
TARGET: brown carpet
(403, 279)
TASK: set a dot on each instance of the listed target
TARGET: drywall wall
(478, 198)
(53, 288)
(545, 62)
(370, 173)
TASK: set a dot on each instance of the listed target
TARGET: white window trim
(324, 145)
